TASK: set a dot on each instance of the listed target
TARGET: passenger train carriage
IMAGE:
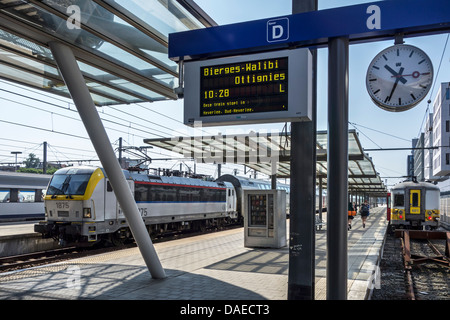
(241, 183)
(415, 205)
(81, 206)
(21, 195)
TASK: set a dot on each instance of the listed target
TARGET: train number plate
(62, 205)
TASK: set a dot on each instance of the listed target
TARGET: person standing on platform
(351, 214)
(364, 212)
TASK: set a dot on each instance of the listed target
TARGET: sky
(26, 123)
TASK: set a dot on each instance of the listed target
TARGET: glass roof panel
(24, 63)
(34, 80)
(137, 89)
(88, 41)
(105, 22)
(119, 44)
(164, 16)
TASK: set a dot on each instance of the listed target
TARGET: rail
(411, 259)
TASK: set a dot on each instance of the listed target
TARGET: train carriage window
(196, 194)
(26, 195)
(170, 193)
(140, 192)
(184, 194)
(415, 200)
(399, 200)
(217, 195)
(4, 195)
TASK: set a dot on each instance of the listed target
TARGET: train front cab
(414, 206)
(75, 204)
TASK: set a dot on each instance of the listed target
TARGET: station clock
(399, 77)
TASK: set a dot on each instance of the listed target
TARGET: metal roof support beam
(78, 89)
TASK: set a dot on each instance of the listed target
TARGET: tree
(32, 161)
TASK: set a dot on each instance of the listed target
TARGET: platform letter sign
(374, 20)
(278, 30)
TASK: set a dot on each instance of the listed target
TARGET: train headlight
(87, 213)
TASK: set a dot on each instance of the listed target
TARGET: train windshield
(399, 200)
(68, 184)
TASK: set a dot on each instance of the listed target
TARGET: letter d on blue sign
(278, 30)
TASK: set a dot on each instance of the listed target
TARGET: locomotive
(415, 205)
(81, 207)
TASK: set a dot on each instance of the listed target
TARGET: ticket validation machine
(264, 218)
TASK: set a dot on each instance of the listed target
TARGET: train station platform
(213, 266)
(19, 238)
(16, 228)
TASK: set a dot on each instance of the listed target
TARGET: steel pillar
(337, 169)
(301, 276)
(76, 84)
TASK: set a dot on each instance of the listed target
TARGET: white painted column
(78, 89)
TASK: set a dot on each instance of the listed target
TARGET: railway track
(426, 263)
(34, 259)
(423, 281)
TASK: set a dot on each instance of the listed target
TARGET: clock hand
(415, 74)
(395, 74)
(396, 82)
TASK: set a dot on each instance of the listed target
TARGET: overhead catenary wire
(68, 107)
(365, 135)
(385, 133)
(154, 126)
(76, 119)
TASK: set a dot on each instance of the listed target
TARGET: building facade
(441, 155)
(419, 159)
(441, 131)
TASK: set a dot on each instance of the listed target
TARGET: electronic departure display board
(266, 87)
(244, 87)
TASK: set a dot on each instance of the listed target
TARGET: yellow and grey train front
(415, 205)
(75, 205)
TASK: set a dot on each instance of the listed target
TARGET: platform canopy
(121, 46)
(257, 150)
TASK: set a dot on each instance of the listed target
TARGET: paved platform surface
(208, 267)
(17, 228)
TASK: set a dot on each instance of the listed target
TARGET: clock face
(399, 77)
